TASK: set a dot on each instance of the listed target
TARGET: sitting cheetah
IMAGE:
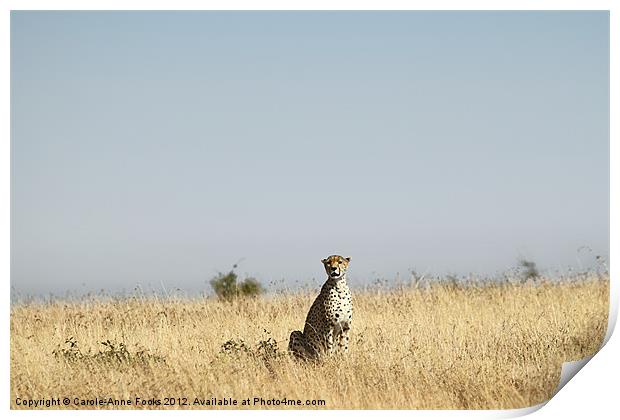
(329, 318)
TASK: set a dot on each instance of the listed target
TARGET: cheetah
(328, 322)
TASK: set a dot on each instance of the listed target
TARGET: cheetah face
(336, 266)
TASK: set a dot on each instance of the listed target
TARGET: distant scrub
(529, 270)
(227, 288)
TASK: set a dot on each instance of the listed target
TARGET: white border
(574, 401)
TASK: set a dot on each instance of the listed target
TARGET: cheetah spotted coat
(327, 326)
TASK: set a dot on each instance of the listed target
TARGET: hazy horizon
(160, 148)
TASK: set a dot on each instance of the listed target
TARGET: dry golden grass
(474, 347)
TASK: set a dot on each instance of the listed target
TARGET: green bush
(227, 288)
(250, 287)
(528, 269)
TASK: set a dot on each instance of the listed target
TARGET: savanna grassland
(445, 346)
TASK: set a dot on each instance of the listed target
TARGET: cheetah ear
(348, 259)
(324, 260)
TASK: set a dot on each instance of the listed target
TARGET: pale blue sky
(161, 147)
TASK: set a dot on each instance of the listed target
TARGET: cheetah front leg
(330, 341)
(343, 338)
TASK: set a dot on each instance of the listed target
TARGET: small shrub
(70, 351)
(114, 354)
(225, 285)
(250, 287)
(266, 352)
(227, 288)
(267, 349)
(235, 348)
(528, 269)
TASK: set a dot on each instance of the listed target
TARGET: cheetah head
(336, 266)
